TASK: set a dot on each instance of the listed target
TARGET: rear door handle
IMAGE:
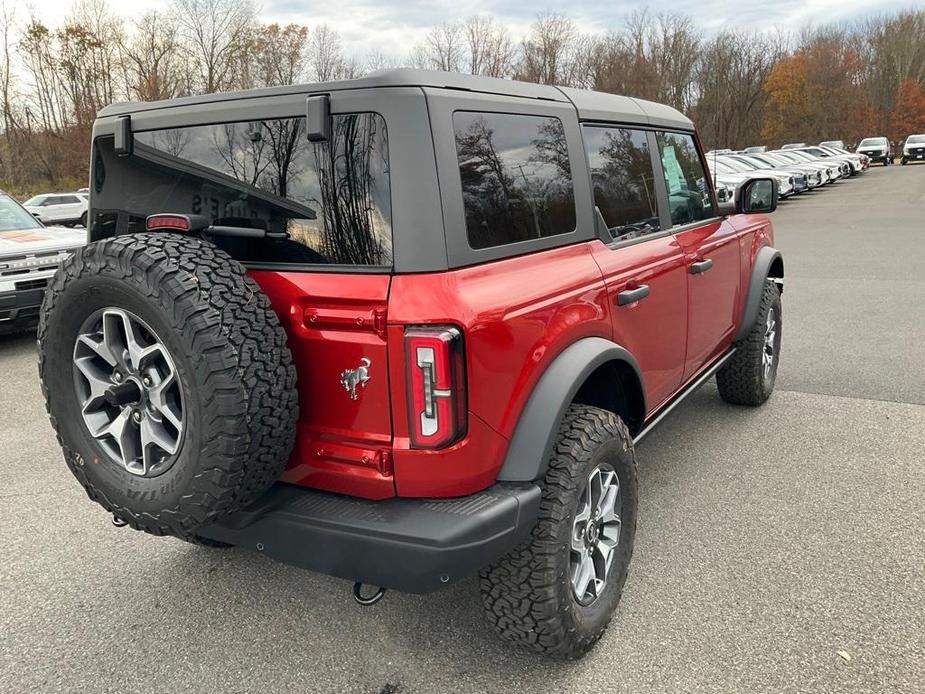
(628, 296)
(701, 266)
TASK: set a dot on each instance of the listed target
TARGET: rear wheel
(557, 592)
(167, 379)
(748, 377)
(83, 220)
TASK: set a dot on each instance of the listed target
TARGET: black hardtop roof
(590, 105)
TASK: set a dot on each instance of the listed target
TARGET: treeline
(741, 87)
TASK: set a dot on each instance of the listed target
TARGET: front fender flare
(761, 269)
(535, 434)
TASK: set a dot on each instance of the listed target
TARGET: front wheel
(83, 220)
(557, 592)
(749, 375)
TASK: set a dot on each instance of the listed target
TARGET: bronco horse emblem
(351, 379)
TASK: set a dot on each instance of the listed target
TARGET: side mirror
(754, 196)
(759, 195)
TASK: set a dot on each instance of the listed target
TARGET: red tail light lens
(436, 385)
(167, 221)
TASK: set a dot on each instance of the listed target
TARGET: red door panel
(713, 293)
(334, 323)
(653, 329)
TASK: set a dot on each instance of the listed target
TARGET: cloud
(393, 27)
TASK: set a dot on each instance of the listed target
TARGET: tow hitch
(367, 601)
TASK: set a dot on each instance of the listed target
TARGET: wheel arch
(769, 264)
(592, 371)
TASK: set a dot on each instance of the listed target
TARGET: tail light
(167, 221)
(436, 367)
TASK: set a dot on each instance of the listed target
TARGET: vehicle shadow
(430, 642)
(17, 343)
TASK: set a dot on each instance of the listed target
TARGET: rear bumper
(413, 545)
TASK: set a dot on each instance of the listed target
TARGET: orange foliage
(788, 101)
(909, 112)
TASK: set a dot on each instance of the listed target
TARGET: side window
(688, 190)
(68, 199)
(623, 180)
(332, 200)
(516, 177)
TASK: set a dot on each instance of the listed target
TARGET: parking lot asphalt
(769, 540)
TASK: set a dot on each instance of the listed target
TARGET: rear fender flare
(535, 434)
(761, 270)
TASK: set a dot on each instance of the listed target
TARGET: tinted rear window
(331, 198)
(516, 177)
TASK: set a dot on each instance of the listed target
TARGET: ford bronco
(404, 329)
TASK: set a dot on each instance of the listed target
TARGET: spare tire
(168, 380)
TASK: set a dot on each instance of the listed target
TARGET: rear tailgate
(336, 324)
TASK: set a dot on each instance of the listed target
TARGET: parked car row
(878, 149)
(29, 256)
(797, 167)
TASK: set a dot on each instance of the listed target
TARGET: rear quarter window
(516, 177)
(331, 199)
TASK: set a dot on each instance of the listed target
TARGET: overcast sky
(393, 27)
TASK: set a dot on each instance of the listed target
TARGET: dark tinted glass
(623, 180)
(688, 191)
(516, 177)
(331, 199)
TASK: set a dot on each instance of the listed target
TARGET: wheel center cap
(593, 532)
(126, 393)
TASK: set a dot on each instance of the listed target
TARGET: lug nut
(117, 376)
(136, 415)
(146, 381)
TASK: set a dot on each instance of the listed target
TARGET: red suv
(404, 329)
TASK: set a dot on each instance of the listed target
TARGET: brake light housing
(436, 365)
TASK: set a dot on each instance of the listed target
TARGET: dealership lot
(769, 539)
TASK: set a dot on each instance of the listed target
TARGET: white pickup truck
(29, 256)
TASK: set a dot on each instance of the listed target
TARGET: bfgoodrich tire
(748, 377)
(531, 595)
(167, 379)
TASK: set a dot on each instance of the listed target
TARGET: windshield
(35, 200)
(723, 167)
(736, 165)
(13, 217)
(747, 163)
(867, 141)
(778, 159)
(915, 139)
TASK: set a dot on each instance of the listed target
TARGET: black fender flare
(535, 434)
(761, 270)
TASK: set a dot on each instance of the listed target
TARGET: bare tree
(490, 50)
(553, 52)
(152, 59)
(281, 55)
(443, 49)
(216, 32)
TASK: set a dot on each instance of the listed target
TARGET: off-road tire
(742, 381)
(527, 594)
(233, 365)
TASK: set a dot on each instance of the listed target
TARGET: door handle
(628, 296)
(701, 266)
